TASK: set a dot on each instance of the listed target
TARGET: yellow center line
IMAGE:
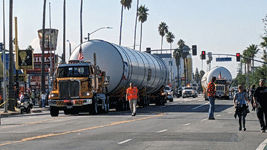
(79, 130)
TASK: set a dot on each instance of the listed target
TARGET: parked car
(169, 93)
(189, 92)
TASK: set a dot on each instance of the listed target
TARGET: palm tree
(126, 4)
(181, 44)
(252, 50)
(264, 44)
(135, 23)
(177, 55)
(169, 38)
(142, 14)
(163, 29)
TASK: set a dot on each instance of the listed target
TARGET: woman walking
(240, 100)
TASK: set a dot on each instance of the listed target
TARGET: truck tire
(54, 111)
(67, 111)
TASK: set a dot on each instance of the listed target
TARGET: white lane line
(125, 141)
(229, 112)
(162, 131)
(218, 115)
(204, 119)
(200, 106)
(187, 124)
(262, 145)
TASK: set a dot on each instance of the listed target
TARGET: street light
(69, 46)
(88, 37)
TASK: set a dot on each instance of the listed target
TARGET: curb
(10, 113)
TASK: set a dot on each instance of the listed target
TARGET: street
(179, 125)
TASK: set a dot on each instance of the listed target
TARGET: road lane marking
(200, 106)
(204, 119)
(162, 131)
(229, 112)
(218, 115)
(262, 145)
(187, 124)
(125, 141)
(80, 130)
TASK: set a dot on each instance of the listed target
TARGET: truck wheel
(67, 112)
(54, 111)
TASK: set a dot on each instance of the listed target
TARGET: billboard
(50, 39)
(25, 59)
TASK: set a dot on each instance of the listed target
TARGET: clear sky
(217, 26)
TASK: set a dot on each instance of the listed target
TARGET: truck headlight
(53, 95)
(86, 94)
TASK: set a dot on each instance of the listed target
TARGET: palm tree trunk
(141, 37)
(161, 44)
(121, 24)
(11, 100)
(135, 24)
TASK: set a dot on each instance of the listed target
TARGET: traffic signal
(203, 55)
(148, 50)
(237, 56)
(194, 49)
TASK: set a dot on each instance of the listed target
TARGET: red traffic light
(237, 56)
(203, 55)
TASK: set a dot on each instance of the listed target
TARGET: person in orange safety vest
(132, 97)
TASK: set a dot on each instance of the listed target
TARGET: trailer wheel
(54, 111)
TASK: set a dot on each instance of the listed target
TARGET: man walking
(132, 96)
(211, 95)
(260, 103)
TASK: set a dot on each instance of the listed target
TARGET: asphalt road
(180, 125)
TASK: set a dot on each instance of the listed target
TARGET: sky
(217, 26)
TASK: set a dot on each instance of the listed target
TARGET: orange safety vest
(132, 93)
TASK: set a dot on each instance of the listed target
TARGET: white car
(169, 93)
(189, 92)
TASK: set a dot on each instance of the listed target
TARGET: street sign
(224, 59)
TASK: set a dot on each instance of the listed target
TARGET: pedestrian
(252, 91)
(132, 97)
(43, 99)
(260, 103)
(33, 97)
(211, 95)
(240, 104)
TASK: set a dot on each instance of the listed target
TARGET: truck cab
(77, 87)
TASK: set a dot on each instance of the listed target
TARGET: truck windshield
(71, 71)
(220, 82)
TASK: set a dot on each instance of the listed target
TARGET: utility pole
(4, 60)
(42, 59)
(11, 101)
(64, 31)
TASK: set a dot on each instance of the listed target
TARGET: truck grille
(68, 89)
(219, 88)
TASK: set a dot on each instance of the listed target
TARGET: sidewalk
(35, 109)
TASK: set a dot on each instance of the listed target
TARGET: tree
(29, 48)
(177, 55)
(142, 14)
(126, 4)
(252, 51)
(169, 38)
(163, 29)
(181, 44)
(135, 23)
(264, 44)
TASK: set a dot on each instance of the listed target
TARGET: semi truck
(104, 85)
(222, 83)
